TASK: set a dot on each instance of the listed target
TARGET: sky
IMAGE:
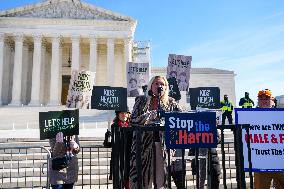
(246, 37)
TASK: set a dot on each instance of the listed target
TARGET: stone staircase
(26, 167)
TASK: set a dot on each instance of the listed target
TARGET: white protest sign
(266, 138)
(80, 89)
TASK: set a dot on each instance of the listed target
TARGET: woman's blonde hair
(165, 96)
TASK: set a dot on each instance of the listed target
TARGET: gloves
(59, 137)
(73, 145)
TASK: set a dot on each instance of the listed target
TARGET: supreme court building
(41, 43)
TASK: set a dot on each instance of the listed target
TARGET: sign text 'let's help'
(52, 122)
(191, 130)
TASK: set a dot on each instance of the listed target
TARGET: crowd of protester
(146, 111)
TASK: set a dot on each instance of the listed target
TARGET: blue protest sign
(191, 130)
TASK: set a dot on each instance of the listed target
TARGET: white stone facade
(36, 42)
(280, 101)
(208, 77)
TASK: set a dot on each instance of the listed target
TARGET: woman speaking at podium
(145, 111)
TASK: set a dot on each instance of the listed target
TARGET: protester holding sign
(145, 112)
(262, 180)
(63, 150)
(121, 121)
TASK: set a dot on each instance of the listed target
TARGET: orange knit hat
(265, 92)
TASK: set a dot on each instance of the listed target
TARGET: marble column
(1, 64)
(60, 71)
(127, 57)
(127, 49)
(54, 75)
(17, 72)
(44, 85)
(93, 56)
(110, 62)
(75, 52)
(35, 94)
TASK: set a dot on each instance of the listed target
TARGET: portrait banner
(173, 89)
(179, 67)
(204, 97)
(80, 89)
(137, 77)
(52, 122)
(190, 130)
(266, 136)
(109, 98)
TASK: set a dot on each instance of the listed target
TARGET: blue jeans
(62, 186)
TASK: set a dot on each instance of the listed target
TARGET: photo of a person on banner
(133, 90)
(145, 112)
(173, 74)
(182, 83)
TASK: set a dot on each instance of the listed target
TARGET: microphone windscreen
(150, 93)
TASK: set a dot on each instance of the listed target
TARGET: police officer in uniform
(227, 107)
(246, 102)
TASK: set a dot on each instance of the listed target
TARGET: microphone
(144, 88)
(150, 93)
(160, 89)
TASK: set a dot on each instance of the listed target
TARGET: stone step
(97, 167)
(42, 156)
(37, 140)
(34, 164)
(103, 184)
(28, 117)
(38, 149)
(87, 167)
(45, 143)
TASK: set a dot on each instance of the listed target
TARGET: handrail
(45, 149)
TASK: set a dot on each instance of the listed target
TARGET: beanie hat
(265, 92)
(122, 110)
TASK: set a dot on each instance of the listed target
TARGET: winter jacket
(67, 175)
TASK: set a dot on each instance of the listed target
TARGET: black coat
(121, 149)
(214, 164)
